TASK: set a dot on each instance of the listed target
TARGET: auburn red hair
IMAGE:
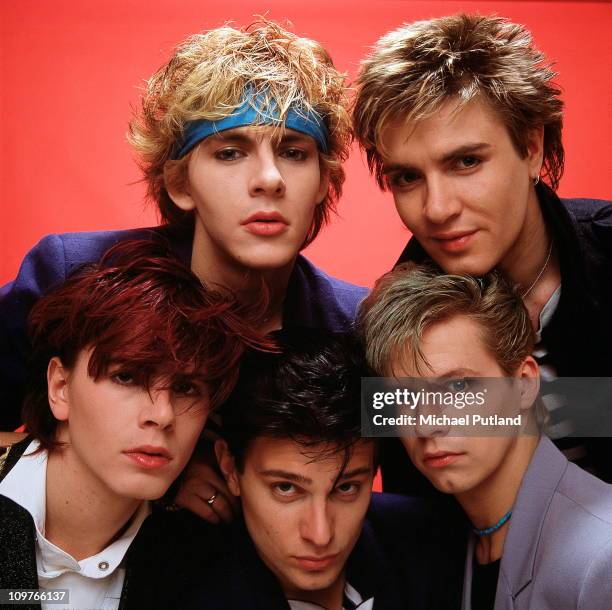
(142, 309)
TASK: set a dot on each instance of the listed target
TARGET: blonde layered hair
(410, 299)
(206, 79)
(413, 70)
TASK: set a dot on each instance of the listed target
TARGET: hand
(201, 480)
(10, 438)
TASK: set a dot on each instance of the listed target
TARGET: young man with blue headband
(240, 138)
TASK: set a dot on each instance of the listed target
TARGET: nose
(441, 202)
(432, 418)
(266, 178)
(158, 409)
(317, 525)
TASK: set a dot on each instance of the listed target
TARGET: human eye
(347, 490)
(185, 388)
(123, 377)
(294, 154)
(285, 490)
(228, 154)
(467, 162)
(402, 179)
(457, 385)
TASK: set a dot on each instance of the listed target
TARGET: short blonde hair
(410, 299)
(413, 70)
(206, 79)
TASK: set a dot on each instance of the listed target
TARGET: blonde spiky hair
(206, 79)
(413, 70)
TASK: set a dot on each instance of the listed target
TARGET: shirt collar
(25, 484)
(352, 600)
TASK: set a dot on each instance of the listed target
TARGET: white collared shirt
(94, 582)
(351, 595)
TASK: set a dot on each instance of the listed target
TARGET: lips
(440, 459)
(149, 456)
(453, 241)
(266, 224)
(316, 564)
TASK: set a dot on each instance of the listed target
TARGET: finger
(221, 506)
(196, 505)
(195, 477)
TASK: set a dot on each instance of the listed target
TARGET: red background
(70, 71)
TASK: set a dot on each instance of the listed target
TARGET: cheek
(411, 447)
(409, 211)
(188, 430)
(271, 528)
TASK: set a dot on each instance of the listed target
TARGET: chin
(465, 265)
(316, 582)
(270, 262)
(142, 491)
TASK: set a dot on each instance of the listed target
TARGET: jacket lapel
(17, 542)
(368, 571)
(517, 566)
(530, 510)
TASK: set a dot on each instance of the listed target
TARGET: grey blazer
(558, 551)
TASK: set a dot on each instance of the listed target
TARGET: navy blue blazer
(314, 299)
(409, 556)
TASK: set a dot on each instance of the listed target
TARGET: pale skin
(484, 474)
(243, 172)
(468, 196)
(232, 176)
(96, 480)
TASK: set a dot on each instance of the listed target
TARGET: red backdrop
(71, 69)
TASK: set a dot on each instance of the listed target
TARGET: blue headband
(251, 112)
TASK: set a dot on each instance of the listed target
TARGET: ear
(57, 389)
(176, 181)
(227, 464)
(323, 186)
(535, 151)
(529, 374)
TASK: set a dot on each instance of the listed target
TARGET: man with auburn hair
(293, 453)
(128, 357)
(460, 119)
(541, 526)
(240, 137)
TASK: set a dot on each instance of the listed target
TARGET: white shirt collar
(350, 593)
(25, 484)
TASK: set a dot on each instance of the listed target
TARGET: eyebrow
(284, 474)
(298, 478)
(460, 372)
(464, 149)
(356, 472)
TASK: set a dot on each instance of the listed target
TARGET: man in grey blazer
(541, 526)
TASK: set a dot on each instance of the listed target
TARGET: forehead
(450, 126)
(320, 463)
(450, 347)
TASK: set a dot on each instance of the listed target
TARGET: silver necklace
(541, 271)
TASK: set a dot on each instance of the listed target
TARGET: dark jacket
(578, 337)
(314, 299)
(161, 539)
(407, 556)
